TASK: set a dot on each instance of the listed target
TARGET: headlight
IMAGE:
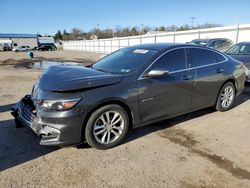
(59, 105)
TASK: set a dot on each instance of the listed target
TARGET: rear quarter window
(201, 57)
(218, 57)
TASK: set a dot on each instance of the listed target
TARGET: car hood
(242, 58)
(68, 78)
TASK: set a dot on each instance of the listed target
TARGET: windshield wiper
(101, 70)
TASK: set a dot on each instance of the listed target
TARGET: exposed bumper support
(25, 113)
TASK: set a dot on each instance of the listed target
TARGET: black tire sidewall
(89, 136)
(218, 104)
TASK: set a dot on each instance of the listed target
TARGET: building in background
(45, 41)
(31, 40)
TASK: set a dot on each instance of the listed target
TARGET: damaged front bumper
(25, 113)
(53, 129)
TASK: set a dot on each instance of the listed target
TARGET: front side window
(125, 61)
(172, 61)
(200, 57)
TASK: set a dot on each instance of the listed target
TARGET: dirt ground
(200, 149)
(20, 59)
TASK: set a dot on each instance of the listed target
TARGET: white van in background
(5, 45)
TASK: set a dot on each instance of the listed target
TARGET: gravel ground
(200, 149)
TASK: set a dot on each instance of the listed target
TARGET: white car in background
(22, 49)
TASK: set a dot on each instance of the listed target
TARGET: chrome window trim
(185, 47)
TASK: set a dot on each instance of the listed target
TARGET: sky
(49, 16)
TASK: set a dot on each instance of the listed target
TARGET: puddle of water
(47, 64)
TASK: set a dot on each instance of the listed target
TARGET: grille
(26, 113)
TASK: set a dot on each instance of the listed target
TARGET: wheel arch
(222, 85)
(116, 101)
(230, 80)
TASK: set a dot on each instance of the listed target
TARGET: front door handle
(219, 70)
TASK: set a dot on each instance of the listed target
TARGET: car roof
(210, 39)
(200, 39)
(164, 46)
(219, 39)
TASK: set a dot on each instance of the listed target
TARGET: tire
(97, 131)
(229, 90)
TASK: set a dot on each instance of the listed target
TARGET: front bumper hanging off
(24, 112)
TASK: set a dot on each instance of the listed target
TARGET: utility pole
(98, 30)
(237, 29)
(142, 26)
(192, 21)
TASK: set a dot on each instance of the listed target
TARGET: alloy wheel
(108, 127)
(227, 96)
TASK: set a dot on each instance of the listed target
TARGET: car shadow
(165, 124)
(244, 96)
(19, 145)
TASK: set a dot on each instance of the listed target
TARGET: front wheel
(226, 97)
(107, 127)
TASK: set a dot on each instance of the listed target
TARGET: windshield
(200, 42)
(239, 49)
(124, 61)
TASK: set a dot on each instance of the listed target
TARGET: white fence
(236, 33)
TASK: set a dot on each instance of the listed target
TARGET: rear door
(166, 95)
(207, 71)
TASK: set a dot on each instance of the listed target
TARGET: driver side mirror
(156, 73)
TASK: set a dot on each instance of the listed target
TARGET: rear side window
(218, 57)
(172, 61)
(200, 57)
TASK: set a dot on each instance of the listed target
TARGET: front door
(166, 95)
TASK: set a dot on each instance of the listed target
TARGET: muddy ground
(200, 149)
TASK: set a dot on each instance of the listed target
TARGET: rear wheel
(107, 127)
(226, 97)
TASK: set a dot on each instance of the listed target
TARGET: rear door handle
(219, 70)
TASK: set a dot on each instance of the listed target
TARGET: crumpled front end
(52, 128)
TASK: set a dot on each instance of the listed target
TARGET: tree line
(118, 31)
